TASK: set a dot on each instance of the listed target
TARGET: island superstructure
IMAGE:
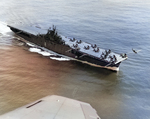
(75, 49)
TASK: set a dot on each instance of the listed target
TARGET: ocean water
(27, 74)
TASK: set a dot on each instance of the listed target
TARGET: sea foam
(4, 29)
(34, 50)
(59, 59)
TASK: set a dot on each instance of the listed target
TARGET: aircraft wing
(53, 107)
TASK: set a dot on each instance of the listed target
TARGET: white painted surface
(53, 107)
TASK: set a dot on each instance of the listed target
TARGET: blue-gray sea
(119, 25)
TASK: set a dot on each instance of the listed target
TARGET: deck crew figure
(114, 58)
(94, 46)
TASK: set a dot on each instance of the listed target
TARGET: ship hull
(66, 50)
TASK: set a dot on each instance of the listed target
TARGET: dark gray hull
(66, 50)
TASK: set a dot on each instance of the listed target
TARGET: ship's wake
(46, 53)
(4, 35)
(4, 29)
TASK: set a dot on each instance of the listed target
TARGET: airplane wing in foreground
(53, 107)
